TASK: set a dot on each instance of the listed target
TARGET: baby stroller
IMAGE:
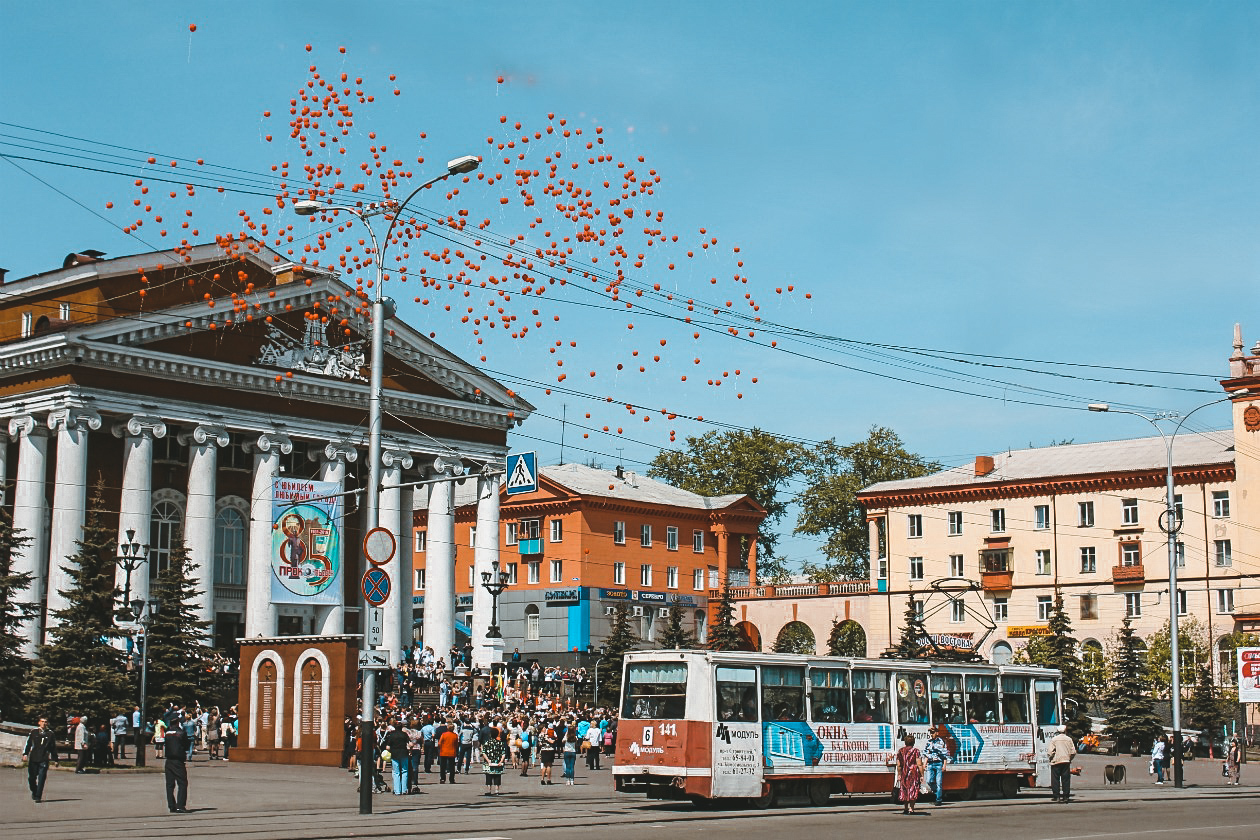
(378, 780)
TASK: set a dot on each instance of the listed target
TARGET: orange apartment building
(590, 538)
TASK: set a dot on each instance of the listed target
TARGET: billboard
(1248, 675)
(305, 542)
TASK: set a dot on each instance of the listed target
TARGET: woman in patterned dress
(493, 757)
(909, 775)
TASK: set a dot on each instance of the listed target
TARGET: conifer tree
(795, 637)
(178, 654)
(1206, 709)
(913, 643)
(724, 635)
(846, 639)
(621, 639)
(1058, 650)
(13, 612)
(79, 671)
(1131, 717)
(676, 635)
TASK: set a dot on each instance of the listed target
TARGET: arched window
(167, 522)
(229, 546)
(1000, 653)
(701, 627)
(533, 622)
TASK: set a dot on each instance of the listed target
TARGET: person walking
(467, 742)
(83, 744)
(1233, 759)
(493, 757)
(41, 748)
(909, 775)
(177, 748)
(1159, 755)
(1060, 752)
(570, 748)
(936, 754)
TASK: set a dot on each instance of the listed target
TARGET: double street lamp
(372, 502)
(494, 582)
(144, 611)
(131, 556)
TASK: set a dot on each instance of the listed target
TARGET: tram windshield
(655, 690)
(829, 695)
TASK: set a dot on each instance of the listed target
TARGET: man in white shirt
(1060, 751)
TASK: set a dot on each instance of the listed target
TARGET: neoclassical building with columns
(185, 384)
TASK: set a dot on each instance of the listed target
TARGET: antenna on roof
(564, 415)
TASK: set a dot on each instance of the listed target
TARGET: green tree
(1206, 709)
(676, 635)
(179, 656)
(834, 476)
(1130, 712)
(621, 639)
(795, 637)
(13, 612)
(1192, 639)
(1059, 650)
(754, 463)
(80, 671)
(724, 635)
(847, 638)
(913, 643)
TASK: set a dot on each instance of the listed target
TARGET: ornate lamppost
(144, 611)
(494, 582)
(131, 556)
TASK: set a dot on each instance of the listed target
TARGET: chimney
(984, 465)
(620, 473)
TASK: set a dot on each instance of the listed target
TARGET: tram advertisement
(737, 757)
(305, 542)
(798, 744)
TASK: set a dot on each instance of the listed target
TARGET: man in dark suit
(176, 770)
(41, 748)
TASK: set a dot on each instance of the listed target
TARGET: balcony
(996, 581)
(1128, 574)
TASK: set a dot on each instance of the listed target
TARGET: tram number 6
(669, 729)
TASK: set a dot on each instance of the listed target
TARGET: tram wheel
(1009, 786)
(819, 792)
(766, 800)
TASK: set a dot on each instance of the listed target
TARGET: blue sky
(1059, 182)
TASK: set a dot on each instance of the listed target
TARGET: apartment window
(619, 533)
(697, 580)
(1089, 607)
(671, 577)
(956, 566)
(535, 572)
(1224, 601)
(1085, 514)
(557, 530)
(1131, 554)
(697, 542)
(557, 571)
(532, 622)
(1179, 551)
(472, 537)
(419, 580)
(645, 536)
(915, 528)
(955, 523)
(999, 609)
(918, 607)
(883, 568)
(997, 520)
(1043, 607)
(510, 533)
(63, 312)
(511, 570)
(1220, 504)
(994, 561)
(1041, 517)
(1043, 561)
(957, 612)
(671, 538)
(422, 541)
(1129, 511)
(28, 321)
(1182, 602)
(619, 573)
(1089, 560)
(713, 577)
(645, 574)
(1133, 604)
(916, 568)
(1224, 553)
(529, 529)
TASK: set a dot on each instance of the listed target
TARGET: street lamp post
(494, 582)
(131, 556)
(603, 654)
(1170, 525)
(144, 611)
(372, 501)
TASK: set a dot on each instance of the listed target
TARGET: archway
(1000, 653)
(795, 637)
(847, 639)
(749, 636)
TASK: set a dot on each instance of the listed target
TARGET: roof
(1080, 459)
(632, 487)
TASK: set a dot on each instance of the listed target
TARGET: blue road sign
(522, 473)
(376, 586)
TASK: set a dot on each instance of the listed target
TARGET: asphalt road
(247, 801)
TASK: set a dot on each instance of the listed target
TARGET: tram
(706, 725)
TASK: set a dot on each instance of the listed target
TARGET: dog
(1113, 774)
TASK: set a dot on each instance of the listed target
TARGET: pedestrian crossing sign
(522, 473)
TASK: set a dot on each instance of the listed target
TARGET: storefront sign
(463, 602)
(953, 641)
(653, 597)
(615, 595)
(562, 597)
(685, 600)
(1249, 675)
(1025, 631)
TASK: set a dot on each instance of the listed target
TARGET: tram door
(1046, 706)
(737, 747)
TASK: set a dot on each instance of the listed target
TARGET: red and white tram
(705, 725)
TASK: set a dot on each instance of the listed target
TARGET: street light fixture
(603, 654)
(372, 501)
(144, 611)
(131, 556)
(494, 582)
(1170, 525)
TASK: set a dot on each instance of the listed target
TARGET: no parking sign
(1249, 675)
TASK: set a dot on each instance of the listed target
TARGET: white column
(4, 465)
(406, 564)
(439, 588)
(260, 612)
(203, 444)
(485, 553)
(331, 620)
(69, 511)
(29, 508)
(393, 627)
(135, 508)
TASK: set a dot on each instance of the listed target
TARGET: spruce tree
(1206, 709)
(724, 635)
(621, 639)
(795, 637)
(1130, 712)
(13, 612)
(676, 635)
(178, 654)
(1058, 650)
(80, 671)
(846, 639)
(913, 643)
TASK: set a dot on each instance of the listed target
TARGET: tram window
(829, 696)
(736, 694)
(1047, 702)
(1014, 699)
(912, 698)
(947, 699)
(655, 691)
(782, 693)
(981, 699)
(870, 697)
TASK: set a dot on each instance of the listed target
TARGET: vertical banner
(305, 542)
(1248, 675)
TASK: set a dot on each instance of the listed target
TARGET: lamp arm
(398, 213)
